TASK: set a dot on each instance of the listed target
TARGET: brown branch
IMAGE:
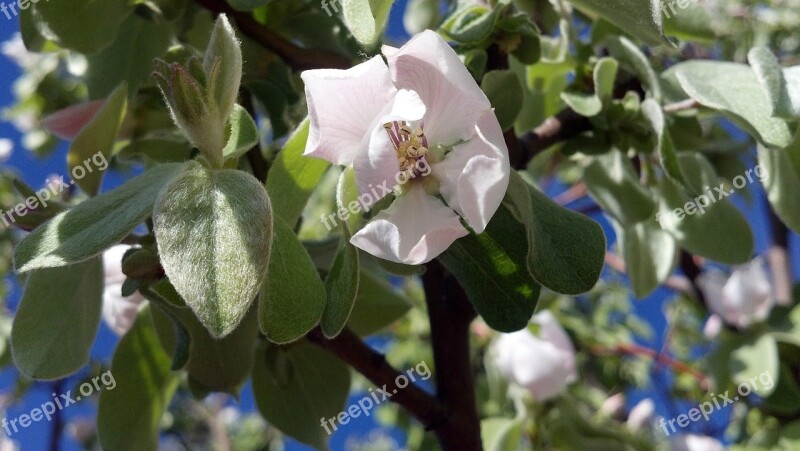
(450, 316)
(778, 259)
(298, 58)
(561, 127)
(663, 359)
(352, 350)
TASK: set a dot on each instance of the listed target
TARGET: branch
(352, 350)
(298, 58)
(450, 316)
(778, 259)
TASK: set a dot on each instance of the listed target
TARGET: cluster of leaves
(227, 209)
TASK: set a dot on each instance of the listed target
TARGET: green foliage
(57, 320)
(97, 139)
(214, 232)
(366, 19)
(144, 389)
(640, 18)
(293, 177)
(505, 93)
(86, 26)
(341, 286)
(293, 297)
(296, 386)
(94, 225)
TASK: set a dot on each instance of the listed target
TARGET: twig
(352, 350)
(688, 104)
(450, 315)
(641, 351)
(778, 259)
(298, 58)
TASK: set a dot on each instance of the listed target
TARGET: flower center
(410, 145)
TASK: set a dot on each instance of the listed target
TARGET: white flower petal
(473, 178)
(119, 312)
(415, 229)
(429, 66)
(551, 331)
(532, 363)
(692, 442)
(378, 166)
(343, 106)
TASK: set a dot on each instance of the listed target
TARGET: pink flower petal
(67, 123)
(474, 176)
(415, 229)
(378, 166)
(343, 106)
(427, 65)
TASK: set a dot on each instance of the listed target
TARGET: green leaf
(222, 63)
(129, 58)
(782, 182)
(691, 24)
(641, 18)
(567, 249)
(586, 105)
(347, 196)
(635, 61)
(57, 320)
(214, 364)
(366, 19)
(668, 156)
(734, 90)
(501, 434)
(128, 416)
(492, 267)
(504, 91)
(293, 296)
(612, 183)
(377, 305)
(650, 255)
(341, 286)
(782, 86)
(96, 140)
(421, 15)
(86, 26)
(710, 232)
(605, 73)
(293, 177)
(297, 386)
(242, 133)
(471, 24)
(785, 399)
(757, 356)
(95, 225)
(214, 230)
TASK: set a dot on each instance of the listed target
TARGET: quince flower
(741, 299)
(119, 312)
(421, 130)
(543, 365)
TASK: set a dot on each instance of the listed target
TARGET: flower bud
(222, 64)
(544, 365)
(743, 298)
